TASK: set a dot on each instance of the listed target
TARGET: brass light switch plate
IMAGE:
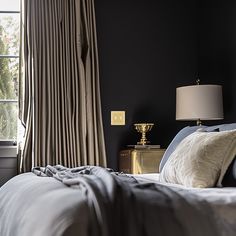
(117, 117)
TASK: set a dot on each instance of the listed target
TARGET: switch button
(117, 117)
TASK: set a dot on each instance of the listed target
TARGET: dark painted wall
(217, 49)
(146, 50)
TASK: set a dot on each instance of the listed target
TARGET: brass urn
(143, 128)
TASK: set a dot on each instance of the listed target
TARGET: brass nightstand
(140, 161)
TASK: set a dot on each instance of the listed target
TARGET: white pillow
(201, 159)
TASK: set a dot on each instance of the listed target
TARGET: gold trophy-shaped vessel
(143, 128)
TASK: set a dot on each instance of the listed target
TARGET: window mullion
(8, 100)
(9, 56)
(10, 12)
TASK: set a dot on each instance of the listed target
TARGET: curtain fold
(60, 103)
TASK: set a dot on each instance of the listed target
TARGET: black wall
(147, 49)
(217, 49)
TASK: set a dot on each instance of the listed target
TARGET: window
(9, 67)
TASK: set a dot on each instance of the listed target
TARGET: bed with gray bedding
(87, 201)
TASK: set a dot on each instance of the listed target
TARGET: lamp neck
(199, 122)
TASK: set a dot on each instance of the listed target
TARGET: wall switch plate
(117, 117)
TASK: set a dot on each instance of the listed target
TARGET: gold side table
(140, 161)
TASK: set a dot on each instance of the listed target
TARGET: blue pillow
(222, 127)
(227, 126)
(183, 133)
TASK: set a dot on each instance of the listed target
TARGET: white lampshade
(199, 102)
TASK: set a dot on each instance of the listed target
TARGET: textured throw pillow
(187, 131)
(201, 159)
(183, 133)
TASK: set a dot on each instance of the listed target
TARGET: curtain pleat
(60, 102)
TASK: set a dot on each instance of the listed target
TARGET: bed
(91, 200)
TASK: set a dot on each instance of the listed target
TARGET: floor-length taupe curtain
(60, 96)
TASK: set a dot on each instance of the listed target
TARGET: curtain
(59, 102)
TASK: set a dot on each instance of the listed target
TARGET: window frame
(9, 142)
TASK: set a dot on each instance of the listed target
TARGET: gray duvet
(87, 201)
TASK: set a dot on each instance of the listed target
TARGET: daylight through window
(9, 67)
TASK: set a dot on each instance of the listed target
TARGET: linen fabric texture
(59, 96)
(94, 201)
(201, 159)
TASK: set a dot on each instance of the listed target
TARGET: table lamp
(199, 102)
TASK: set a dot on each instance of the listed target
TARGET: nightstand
(8, 163)
(140, 161)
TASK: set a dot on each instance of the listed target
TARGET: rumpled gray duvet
(87, 201)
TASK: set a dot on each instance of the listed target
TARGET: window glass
(9, 34)
(9, 68)
(8, 120)
(9, 5)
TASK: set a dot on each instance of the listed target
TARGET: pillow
(208, 130)
(175, 142)
(201, 159)
(225, 127)
(187, 131)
